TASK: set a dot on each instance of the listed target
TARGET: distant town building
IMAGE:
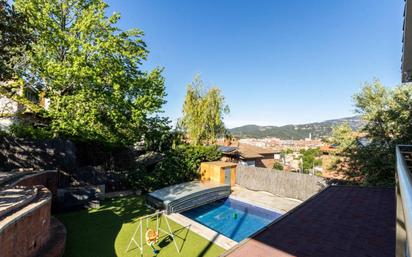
(249, 155)
(12, 112)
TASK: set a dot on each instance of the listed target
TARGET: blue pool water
(234, 219)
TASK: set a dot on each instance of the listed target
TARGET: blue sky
(276, 61)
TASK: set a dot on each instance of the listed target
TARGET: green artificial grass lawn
(107, 231)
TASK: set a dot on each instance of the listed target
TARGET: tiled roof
(227, 149)
(252, 152)
(339, 221)
(250, 155)
(255, 149)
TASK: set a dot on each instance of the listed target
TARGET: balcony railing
(404, 200)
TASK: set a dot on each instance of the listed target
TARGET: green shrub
(277, 166)
(29, 131)
(319, 174)
(179, 165)
(3, 133)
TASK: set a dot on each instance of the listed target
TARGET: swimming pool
(234, 219)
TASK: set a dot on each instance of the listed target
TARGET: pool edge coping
(203, 231)
(247, 201)
(214, 236)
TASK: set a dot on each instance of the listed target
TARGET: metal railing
(404, 199)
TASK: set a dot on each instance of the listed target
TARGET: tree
(90, 70)
(342, 137)
(180, 164)
(203, 112)
(14, 41)
(310, 158)
(277, 166)
(160, 137)
(388, 117)
(287, 151)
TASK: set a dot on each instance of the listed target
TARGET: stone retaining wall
(47, 154)
(283, 183)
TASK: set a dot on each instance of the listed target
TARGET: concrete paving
(264, 199)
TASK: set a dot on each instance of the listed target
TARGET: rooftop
(247, 148)
(246, 151)
(222, 164)
(339, 221)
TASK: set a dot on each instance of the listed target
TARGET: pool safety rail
(404, 200)
(185, 196)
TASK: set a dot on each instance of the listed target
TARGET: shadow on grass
(165, 239)
(93, 232)
(106, 231)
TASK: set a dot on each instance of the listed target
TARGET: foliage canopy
(203, 112)
(181, 164)
(310, 159)
(277, 166)
(342, 137)
(14, 41)
(90, 70)
(388, 116)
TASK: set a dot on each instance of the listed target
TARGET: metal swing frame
(158, 215)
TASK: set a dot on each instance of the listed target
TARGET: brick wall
(25, 231)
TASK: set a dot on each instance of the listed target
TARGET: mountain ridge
(298, 131)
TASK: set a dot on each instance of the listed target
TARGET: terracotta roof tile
(250, 151)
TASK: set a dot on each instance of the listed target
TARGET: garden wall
(51, 154)
(48, 178)
(24, 230)
(283, 183)
(16, 153)
(27, 228)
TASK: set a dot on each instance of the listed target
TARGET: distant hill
(317, 129)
